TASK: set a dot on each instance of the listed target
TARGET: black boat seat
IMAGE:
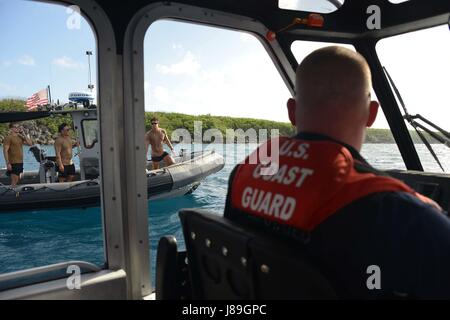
(40, 154)
(227, 261)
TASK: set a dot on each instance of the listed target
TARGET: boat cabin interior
(224, 260)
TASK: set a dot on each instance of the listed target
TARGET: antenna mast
(90, 85)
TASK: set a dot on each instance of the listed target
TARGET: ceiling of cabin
(350, 20)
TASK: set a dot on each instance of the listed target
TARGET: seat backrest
(90, 167)
(229, 262)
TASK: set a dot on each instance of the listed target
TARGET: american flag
(39, 98)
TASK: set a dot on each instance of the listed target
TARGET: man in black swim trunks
(13, 152)
(63, 152)
(156, 137)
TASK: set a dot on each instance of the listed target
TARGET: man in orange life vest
(351, 217)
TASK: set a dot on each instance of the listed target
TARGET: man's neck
(321, 136)
(348, 138)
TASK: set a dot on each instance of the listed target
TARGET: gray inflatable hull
(182, 178)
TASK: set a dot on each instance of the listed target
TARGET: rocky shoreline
(39, 134)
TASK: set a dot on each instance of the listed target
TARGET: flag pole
(49, 95)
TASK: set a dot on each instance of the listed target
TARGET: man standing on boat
(13, 152)
(63, 152)
(155, 137)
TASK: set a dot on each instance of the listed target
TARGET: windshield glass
(320, 6)
(90, 135)
(419, 64)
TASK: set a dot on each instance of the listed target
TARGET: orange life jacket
(304, 182)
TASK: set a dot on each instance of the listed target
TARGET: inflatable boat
(177, 180)
(40, 189)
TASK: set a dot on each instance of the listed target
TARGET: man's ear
(291, 106)
(373, 111)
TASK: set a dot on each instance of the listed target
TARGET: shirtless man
(63, 152)
(13, 152)
(156, 137)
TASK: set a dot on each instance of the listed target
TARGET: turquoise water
(41, 237)
(36, 238)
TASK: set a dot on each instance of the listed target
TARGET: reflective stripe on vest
(301, 183)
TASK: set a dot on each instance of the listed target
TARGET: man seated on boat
(373, 235)
(63, 151)
(155, 137)
(13, 152)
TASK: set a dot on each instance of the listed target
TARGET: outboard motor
(38, 153)
(47, 168)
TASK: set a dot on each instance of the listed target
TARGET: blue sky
(39, 50)
(197, 69)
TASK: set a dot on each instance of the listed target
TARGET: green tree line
(52, 123)
(172, 121)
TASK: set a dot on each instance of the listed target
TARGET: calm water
(36, 238)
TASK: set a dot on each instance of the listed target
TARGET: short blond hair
(332, 75)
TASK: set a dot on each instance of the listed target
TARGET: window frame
(134, 95)
(114, 276)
